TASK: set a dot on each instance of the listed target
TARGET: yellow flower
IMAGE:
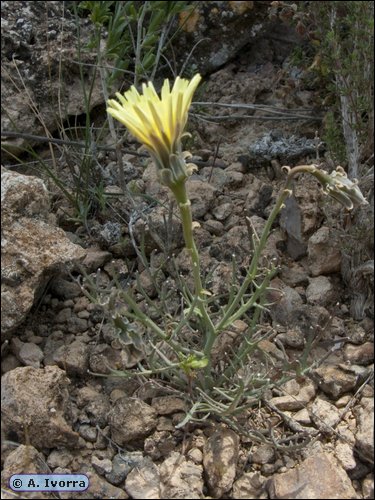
(157, 122)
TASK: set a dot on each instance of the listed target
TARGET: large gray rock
(100, 488)
(131, 419)
(365, 432)
(23, 460)
(324, 253)
(335, 381)
(325, 415)
(285, 300)
(220, 458)
(249, 485)
(319, 476)
(144, 481)
(35, 404)
(321, 291)
(180, 478)
(33, 249)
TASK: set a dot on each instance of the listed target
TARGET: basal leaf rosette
(158, 122)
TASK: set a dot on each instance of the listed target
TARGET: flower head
(157, 122)
(340, 187)
(337, 185)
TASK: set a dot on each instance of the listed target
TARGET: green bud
(165, 177)
(175, 173)
(178, 167)
(196, 363)
(192, 363)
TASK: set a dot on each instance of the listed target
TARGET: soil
(63, 413)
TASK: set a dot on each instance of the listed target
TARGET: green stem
(259, 292)
(148, 323)
(211, 331)
(143, 318)
(253, 269)
(180, 193)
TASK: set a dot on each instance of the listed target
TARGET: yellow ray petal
(157, 122)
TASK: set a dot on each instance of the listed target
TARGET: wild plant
(181, 349)
(132, 37)
(129, 39)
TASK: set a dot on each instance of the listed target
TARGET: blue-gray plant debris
(287, 150)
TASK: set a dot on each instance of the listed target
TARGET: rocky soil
(61, 413)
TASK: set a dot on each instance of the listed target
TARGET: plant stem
(253, 269)
(180, 193)
(233, 311)
(148, 323)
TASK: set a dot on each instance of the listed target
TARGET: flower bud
(339, 187)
